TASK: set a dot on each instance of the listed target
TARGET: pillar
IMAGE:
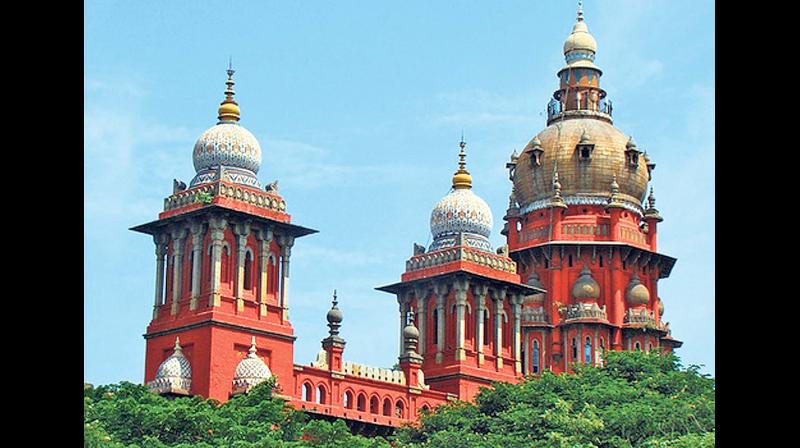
(285, 242)
(461, 285)
(404, 303)
(479, 294)
(160, 241)
(178, 235)
(516, 310)
(498, 296)
(440, 290)
(217, 227)
(241, 230)
(422, 313)
(198, 230)
(264, 237)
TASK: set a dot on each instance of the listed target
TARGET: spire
(228, 108)
(613, 200)
(334, 317)
(251, 353)
(178, 348)
(580, 11)
(557, 200)
(651, 212)
(462, 178)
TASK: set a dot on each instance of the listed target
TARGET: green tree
(636, 400)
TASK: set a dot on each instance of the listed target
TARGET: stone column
(403, 302)
(479, 293)
(516, 308)
(528, 356)
(242, 231)
(440, 290)
(498, 296)
(461, 285)
(217, 227)
(285, 242)
(264, 237)
(160, 241)
(178, 235)
(422, 313)
(198, 230)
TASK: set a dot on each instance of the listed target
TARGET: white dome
(461, 211)
(230, 145)
(250, 372)
(174, 375)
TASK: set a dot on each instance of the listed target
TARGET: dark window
(587, 351)
(435, 332)
(486, 333)
(535, 357)
(248, 271)
(574, 349)
(387, 407)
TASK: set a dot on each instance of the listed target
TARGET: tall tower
(577, 227)
(223, 246)
(466, 300)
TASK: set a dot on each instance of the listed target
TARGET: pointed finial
(252, 352)
(178, 348)
(580, 11)
(614, 185)
(462, 178)
(335, 299)
(229, 109)
(651, 199)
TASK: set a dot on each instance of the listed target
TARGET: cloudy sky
(358, 107)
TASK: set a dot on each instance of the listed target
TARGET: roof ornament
(229, 108)
(557, 200)
(651, 212)
(334, 317)
(613, 200)
(580, 10)
(462, 178)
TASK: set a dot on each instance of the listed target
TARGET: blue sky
(358, 107)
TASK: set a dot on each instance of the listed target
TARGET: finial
(229, 109)
(334, 316)
(614, 185)
(252, 352)
(178, 348)
(651, 199)
(462, 178)
(556, 183)
(580, 11)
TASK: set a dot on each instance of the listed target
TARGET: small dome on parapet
(174, 375)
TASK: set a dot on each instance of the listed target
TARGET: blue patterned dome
(461, 212)
(227, 144)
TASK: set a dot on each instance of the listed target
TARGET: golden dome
(580, 39)
(636, 293)
(586, 287)
(585, 179)
(228, 108)
(462, 178)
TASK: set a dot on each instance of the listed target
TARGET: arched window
(637, 347)
(307, 391)
(361, 405)
(191, 271)
(425, 409)
(587, 351)
(248, 270)
(320, 394)
(574, 349)
(348, 400)
(398, 409)
(435, 332)
(373, 405)
(487, 334)
(225, 274)
(600, 349)
(535, 357)
(387, 407)
(649, 347)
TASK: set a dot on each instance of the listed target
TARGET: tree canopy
(635, 400)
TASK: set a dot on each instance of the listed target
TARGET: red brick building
(577, 277)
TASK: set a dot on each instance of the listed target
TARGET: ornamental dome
(586, 287)
(410, 331)
(637, 294)
(533, 280)
(580, 39)
(461, 212)
(583, 181)
(227, 144)
(251, 371)
(174, 375)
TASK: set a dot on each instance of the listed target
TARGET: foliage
(204, 197)
(128, 415)
(636, 400)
